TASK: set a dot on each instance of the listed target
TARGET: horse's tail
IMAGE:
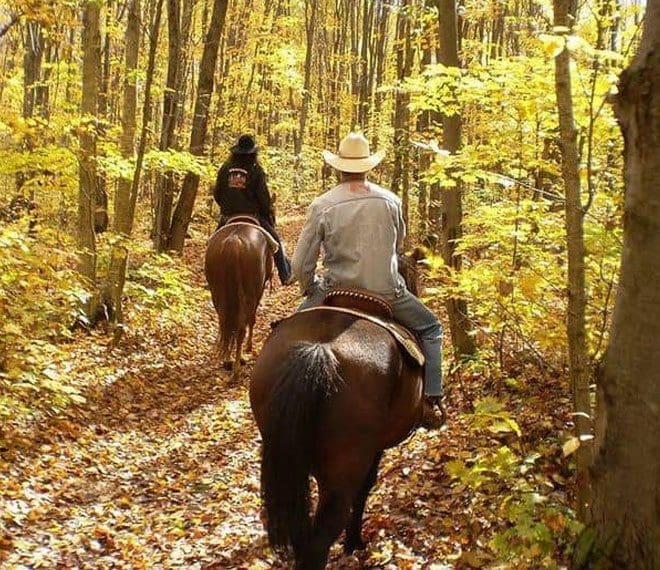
(230, 298)
(308, 374)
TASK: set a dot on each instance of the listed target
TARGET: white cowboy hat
(354, 155)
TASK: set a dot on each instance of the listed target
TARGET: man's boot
(433, 415)
(284, 271)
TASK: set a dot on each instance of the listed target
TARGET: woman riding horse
(241, 189)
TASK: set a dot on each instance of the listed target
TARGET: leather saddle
(247, 220)
(374, 308)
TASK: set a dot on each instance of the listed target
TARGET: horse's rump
(379, 381)
(329, 391)
(238, 265)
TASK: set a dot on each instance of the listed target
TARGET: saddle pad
(400, 333)
(272, 242)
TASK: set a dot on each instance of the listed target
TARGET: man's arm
(400, 229)
(304, 260)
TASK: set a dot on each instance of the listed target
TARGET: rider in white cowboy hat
(361, 228)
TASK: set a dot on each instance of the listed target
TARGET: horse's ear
(273, 198)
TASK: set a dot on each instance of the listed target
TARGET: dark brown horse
(238, 265)
(330, 392)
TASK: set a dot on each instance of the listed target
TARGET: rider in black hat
(241, 189)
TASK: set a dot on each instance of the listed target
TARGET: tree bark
(146, 111)
(310, 26)
(122, 223)
(452, 201)
(186, 203)
(401, 172)
(101, 218)
(577, 339)
(624, 530)
(91, 46)
(165, 181)
(32, 62)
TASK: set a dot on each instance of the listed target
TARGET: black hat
(246, 145)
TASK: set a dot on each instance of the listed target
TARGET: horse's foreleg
(331, 516)
(354, 529)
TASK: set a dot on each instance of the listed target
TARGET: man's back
(361, 229)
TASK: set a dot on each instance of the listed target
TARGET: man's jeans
(412, 314)
(281, 262)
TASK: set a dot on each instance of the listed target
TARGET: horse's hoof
(351, 545)
(228, 365)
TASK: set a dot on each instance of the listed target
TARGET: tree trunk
(452, 206)
(310, 25)
(32, 60)
(122, 221)
(401, 173)
(91, 46)
(165, 181)
(101, 218)
(624, 530)
(186, 203)
(146, 111)
(577, 343)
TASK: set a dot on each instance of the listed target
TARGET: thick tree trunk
(452, 205)
(32, 59)
(624, 529)
(577, 339)
(91, 46)
(186, 203)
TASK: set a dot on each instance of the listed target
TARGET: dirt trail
(163, 472)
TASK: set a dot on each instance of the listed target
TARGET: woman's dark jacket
(241, 189)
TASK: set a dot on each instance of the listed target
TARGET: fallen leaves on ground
(160, 467)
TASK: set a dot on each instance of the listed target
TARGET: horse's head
(409, 269)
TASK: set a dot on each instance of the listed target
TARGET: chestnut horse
(238, 265)
(329, 391)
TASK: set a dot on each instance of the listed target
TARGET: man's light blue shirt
(360, 226)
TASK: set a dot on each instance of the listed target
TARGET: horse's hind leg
(250, 348)
(236, 375)
(331, 516)
(354, 529)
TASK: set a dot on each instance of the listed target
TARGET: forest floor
(160, 467)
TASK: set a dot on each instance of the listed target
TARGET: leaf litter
(159, 468)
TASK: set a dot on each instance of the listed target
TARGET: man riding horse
(360, 226)
(241, 189)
